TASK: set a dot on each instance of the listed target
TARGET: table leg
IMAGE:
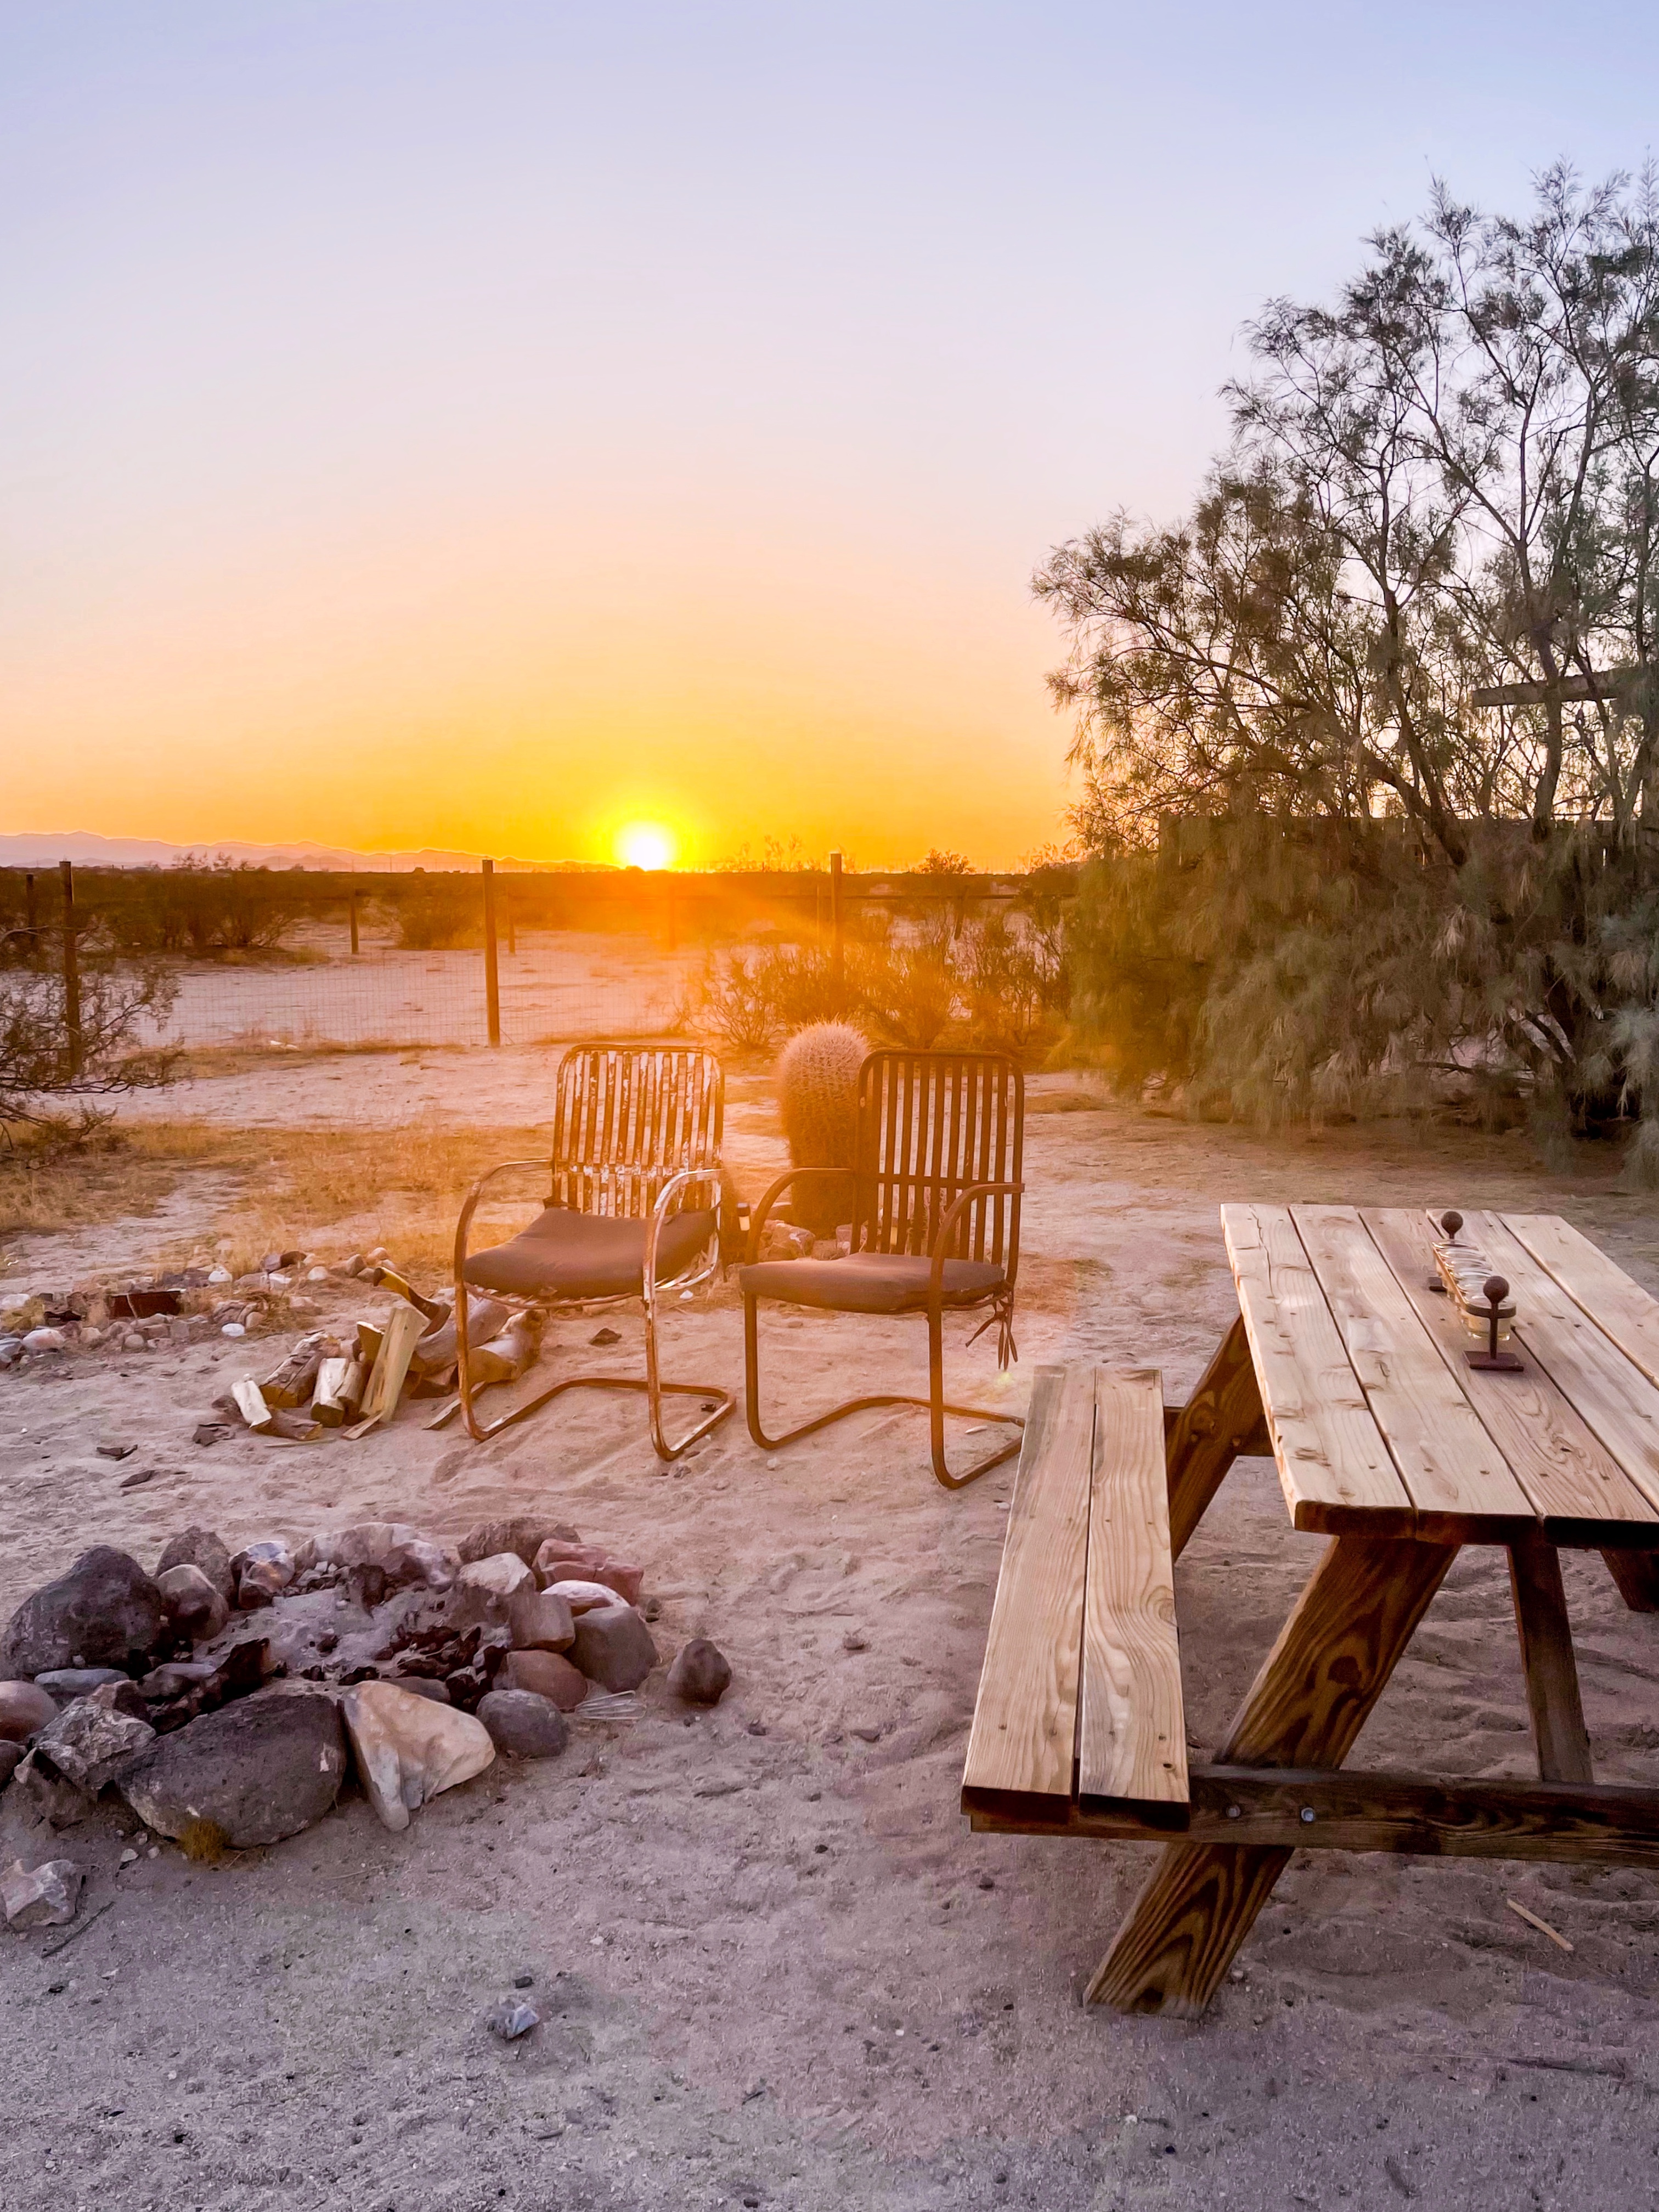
(1305, 1708)
(1636, 1574)
(1540, 1618)
(1221, 1420)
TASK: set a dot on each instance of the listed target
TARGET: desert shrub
(202, 908)
(438, 913)
(47, 1066)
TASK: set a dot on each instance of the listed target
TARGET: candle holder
(1451, 1221)
(1496, 1316)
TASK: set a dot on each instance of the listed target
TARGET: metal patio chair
(935, 1227)
(636, 1135)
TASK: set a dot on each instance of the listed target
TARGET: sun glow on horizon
(646, 845)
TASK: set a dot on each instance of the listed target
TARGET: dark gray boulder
(200, 1547)
(105, 1611)
(250, 1773)
(613, 1647)
(701, 1673)
(522, 1725)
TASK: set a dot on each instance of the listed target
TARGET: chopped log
(386, 1381)
(329, 1405)
(511, 1354)
(388, 1278)
(369, 1342)
(292, 1382)
(485, 1318)
(438, 1383)
(251, 1404)
(291, 1428)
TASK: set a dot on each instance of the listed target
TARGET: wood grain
(1239, 1808)
(1222, 1420)
(1615, 1399)
(1458, 1480)
(1619, 1308)
(1131, 1744)
(1333, 1466)
(1573, 1483)
(1021, 1751)
(1306, 1707)
(1551, 1671)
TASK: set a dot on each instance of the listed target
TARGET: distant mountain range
(86, 850)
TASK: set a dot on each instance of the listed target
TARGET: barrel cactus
(817, 1080)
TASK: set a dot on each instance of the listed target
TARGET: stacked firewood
(356, 1381)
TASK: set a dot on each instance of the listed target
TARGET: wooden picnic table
(1349, 1369)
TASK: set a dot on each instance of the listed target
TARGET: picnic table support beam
(1305, 1708)
(1636, 1574)
(1222, 1421)
(1552, 1697)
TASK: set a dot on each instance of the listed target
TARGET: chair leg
(651, 1383)
(935, 1404)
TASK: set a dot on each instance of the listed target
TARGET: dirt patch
(769, 1962)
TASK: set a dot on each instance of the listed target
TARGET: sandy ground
(774, 1967)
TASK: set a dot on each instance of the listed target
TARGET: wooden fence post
(30, 917)
(351, 903)
(71, 975)
(492, 976)
(837, 946)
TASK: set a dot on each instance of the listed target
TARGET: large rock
(91, 1740)
(522, 1725)
(701, 1673)
(402, 1553)
(544, 1675)
(24, 1707)
(407, 1749)
(524, 1534)
(582, 1597)
(539, 1620)
(263, 1572)
(195, 1607)
(105, 1611)
(250, 1773)
(11, 1758)
(560, 1560)
(613, 1647)
(66, 1683)
(485, 1587)
(200, 1547)
(40, 1897)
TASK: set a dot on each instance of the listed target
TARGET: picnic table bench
(1347, 1367)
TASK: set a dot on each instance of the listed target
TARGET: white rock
(408, 1748)
(44, 1896)
(584, 1597)
(91, 1337)
(218, 1274)
(279, 1282)
(46, 1340)
(232, 1328)
(316, 1274)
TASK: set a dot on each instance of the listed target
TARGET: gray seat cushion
(869, 1282)
(588, 1255)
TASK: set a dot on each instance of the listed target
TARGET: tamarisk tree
(1401, 660)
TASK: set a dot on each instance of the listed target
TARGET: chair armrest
(469, 1207)
(674, 1188)
(952, 1213)
(757, 1219)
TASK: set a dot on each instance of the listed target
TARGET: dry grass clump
(115, 1175)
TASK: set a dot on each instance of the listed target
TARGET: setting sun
(646, 845)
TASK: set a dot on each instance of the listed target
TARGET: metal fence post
(492, 975)
(71, 975)
(837, 946)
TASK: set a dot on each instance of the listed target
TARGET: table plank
(1022, 1750)
(1619, 1308)
(1333, 1466)
(1573, 1482)
(1133, 1741)
(1458, 1479)
(1616, 1400)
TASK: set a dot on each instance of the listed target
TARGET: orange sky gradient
(482, 427)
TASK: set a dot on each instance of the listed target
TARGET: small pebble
(127, 1858)
(854, 1642)
(524, 1981)
(230, 1328)
(513, 2018)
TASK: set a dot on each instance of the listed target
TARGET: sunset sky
(495, 423)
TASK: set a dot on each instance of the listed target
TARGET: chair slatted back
(626, 1122)
(929, 1124)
